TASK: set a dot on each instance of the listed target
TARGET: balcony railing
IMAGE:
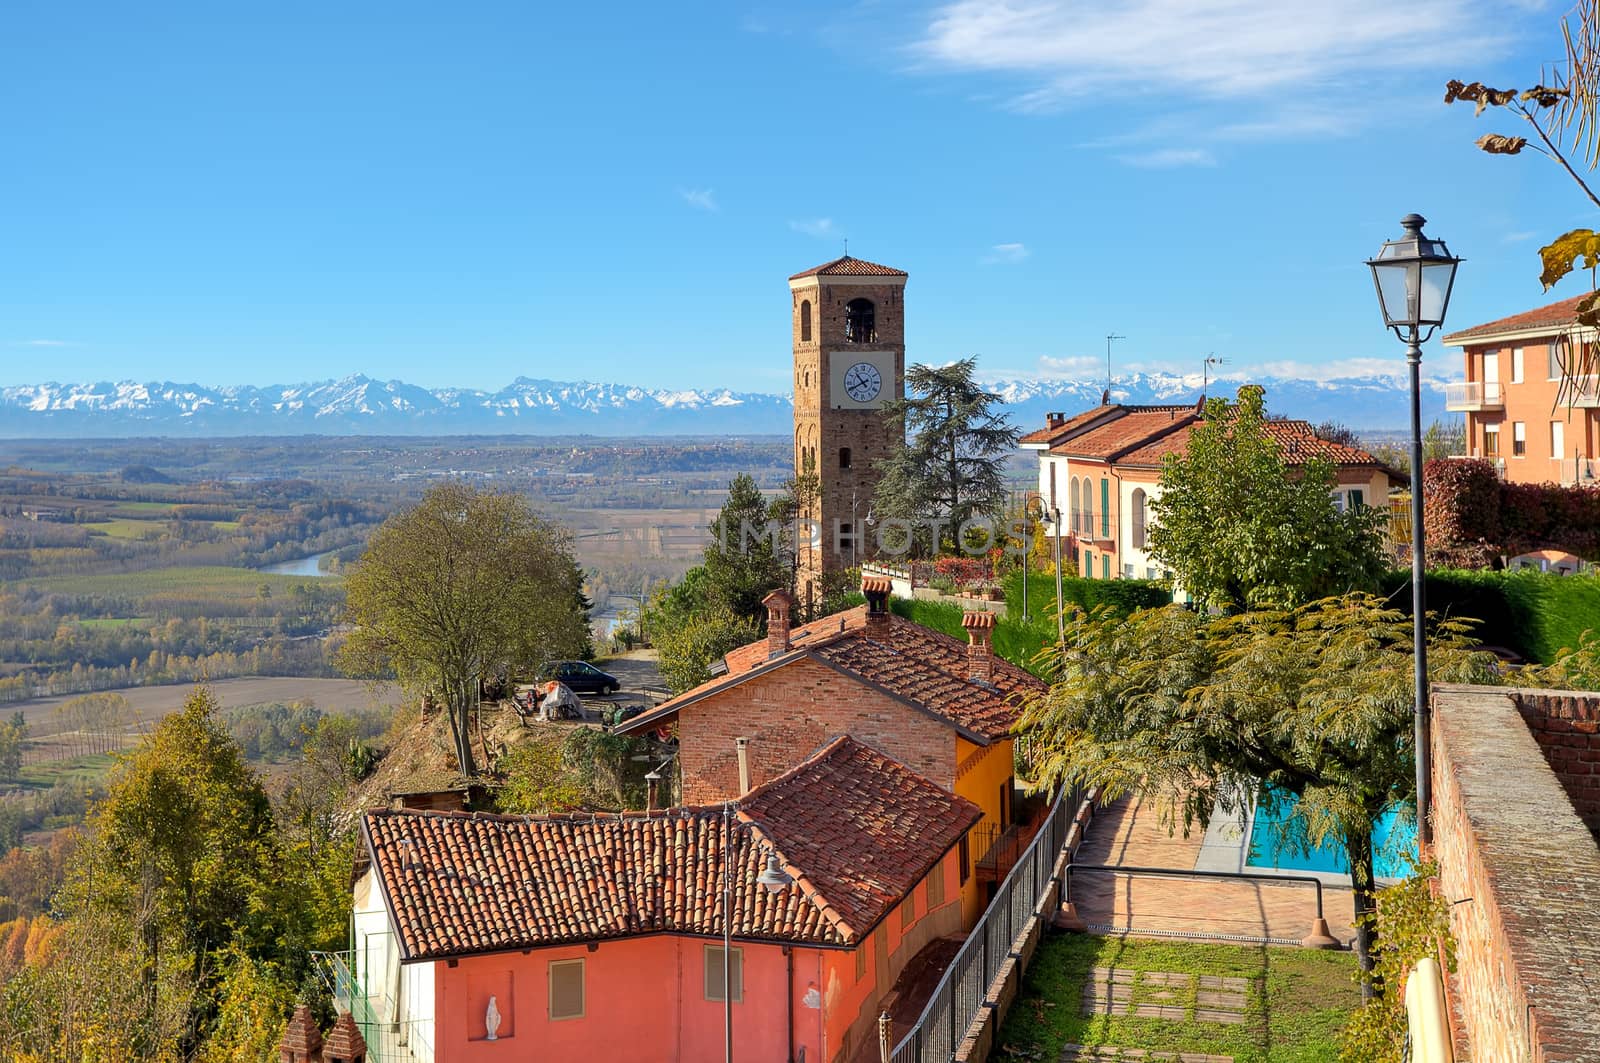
(406, 1041)
(1585, 391)
(1472, 395)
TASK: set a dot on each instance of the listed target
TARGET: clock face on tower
(862, 382)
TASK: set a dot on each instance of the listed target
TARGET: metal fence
(964, 990)
(388, 1041)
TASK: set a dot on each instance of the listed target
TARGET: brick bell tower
(849, 359)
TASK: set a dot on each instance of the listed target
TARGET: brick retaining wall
(1522, 873)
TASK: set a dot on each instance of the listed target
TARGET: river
(300, 566)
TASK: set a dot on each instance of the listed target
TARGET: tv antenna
(1109, 338)
(1205, 372)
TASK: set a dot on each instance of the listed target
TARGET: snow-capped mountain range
(361, 405)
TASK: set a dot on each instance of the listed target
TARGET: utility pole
(1109, 338)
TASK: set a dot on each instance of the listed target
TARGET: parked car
(581, 676)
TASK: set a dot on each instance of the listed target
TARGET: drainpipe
(788, 955)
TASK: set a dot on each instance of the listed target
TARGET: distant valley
(361, 405)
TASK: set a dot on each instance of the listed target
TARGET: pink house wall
(644, 997)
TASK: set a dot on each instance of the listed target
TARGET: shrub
(1473, 518)
(1534, 614)
(1412, 922)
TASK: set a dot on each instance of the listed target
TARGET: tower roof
(845, 266)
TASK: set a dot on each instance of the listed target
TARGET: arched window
(805, 321)
(1138, 501)
(1074, 515)
(860, 322)
(844, 457)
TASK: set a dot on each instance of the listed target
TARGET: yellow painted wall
(980, 772)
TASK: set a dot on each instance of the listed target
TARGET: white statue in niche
(491, 1020)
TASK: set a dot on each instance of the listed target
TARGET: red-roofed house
(943, 708)
(483, 937)
(1102, 468)
(1517, 415)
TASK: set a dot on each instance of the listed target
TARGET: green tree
(689, 646)
(950, 464)
(537, 782)
(1412, 921)
(460, 587)
(13, 742)
(744, 560)
(1240, 529)
(1199, 713)
(179, 845)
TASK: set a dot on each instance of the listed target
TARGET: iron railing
(404, 1041)
(964, 990)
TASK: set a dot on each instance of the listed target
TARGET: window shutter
(566, 989)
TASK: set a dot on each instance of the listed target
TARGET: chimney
(742, 746)
(1056, 418)
(302, 1041)
(652, 791)
(876, 589)
(778, 604)
(345, 1043)
(980, 656)
(1105, 397)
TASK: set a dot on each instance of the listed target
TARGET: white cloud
(1334, 369)
(1005, 253)
(1518, 237)
(1216, 49)
(1169, 158)
(1071, 367)
(698, 198)
(822, 227)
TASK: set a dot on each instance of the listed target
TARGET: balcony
(1470, 396)
(1584, 391)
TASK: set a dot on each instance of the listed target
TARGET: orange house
(939, 707)
(1101, 470)
(1531, 408)
(483, 938)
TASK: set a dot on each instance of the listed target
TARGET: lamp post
(774, 880)
(1413, 276)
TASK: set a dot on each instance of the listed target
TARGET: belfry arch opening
(860, 321)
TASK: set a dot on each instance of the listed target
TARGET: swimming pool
(1277, 835)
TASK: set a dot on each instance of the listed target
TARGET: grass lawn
(75, 771)
(201, 581)
(126, 528)
(1296, 1002)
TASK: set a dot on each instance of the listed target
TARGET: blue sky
(466, 193)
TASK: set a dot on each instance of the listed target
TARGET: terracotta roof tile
(1298, 440)
(911, 662)
(854, 828)
(846, 266)
(1138, 427)
(1048, 433)
(1556, 316)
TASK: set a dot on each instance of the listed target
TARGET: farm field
(153, 702)
(186, 581)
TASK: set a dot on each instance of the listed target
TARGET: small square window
(714, 974)
(566, 989)
(1519, 439)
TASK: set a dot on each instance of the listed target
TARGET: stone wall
(1522, 873)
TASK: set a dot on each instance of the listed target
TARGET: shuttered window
(714, 974)
(566, 989)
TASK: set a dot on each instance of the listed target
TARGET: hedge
(1474, 518)
(1532, 613)
(1020, 642)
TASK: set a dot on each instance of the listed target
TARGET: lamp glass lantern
(1414, 275)
(774, 879)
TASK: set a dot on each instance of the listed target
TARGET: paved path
(1129, 832)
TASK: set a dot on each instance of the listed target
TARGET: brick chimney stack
(302, 1041)
(1056, 418)
(980, 654)
(779, 605)
(345, 1043)
(877, 589)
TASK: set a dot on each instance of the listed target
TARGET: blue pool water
(1277, 839)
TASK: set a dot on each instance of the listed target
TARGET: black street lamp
(1414, 275)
